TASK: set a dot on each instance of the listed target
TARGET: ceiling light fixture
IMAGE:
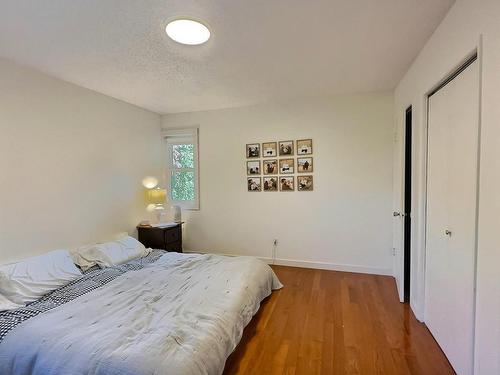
(186, 31)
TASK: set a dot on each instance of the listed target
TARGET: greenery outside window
(182, 167)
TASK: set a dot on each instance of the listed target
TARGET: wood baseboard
(329, 266)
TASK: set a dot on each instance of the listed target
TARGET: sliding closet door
(451, 217)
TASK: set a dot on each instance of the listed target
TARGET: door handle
(447, 232)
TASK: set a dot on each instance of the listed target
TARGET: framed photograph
(270, 166)
(286, 148)
(253, 167)
(304, 147)
(269, 149)
(254, 183)
(305, 183)
(253, 150)
(287, 183)
(271, 183)
(305, 165)
(286, 166)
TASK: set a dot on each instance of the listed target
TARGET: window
(182, 164)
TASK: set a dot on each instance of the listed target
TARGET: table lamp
(156, 199)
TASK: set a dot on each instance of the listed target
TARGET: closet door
(451, 217)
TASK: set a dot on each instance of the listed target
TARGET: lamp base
(160, 214)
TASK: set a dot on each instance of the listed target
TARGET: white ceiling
(260, 50)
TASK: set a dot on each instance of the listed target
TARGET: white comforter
(184, 314)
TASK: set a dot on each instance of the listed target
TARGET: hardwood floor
(327, 322)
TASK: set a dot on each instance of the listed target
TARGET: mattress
(167, 313)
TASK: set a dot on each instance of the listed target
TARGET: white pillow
(7, 304)
(82, 258)
(110, 253)
(28, 280)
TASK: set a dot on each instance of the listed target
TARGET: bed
(166, 313)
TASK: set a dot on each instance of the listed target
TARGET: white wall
(344, 224)
(455, 38)
(71, 163)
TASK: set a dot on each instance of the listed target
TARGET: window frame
(176, 137)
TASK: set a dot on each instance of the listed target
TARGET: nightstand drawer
(152, 237)
(174, 246)
(173, 235)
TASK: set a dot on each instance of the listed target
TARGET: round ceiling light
(186, 31)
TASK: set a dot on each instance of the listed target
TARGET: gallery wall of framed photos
(284, 166)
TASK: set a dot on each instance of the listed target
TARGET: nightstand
(169, 239)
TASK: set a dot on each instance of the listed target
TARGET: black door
(407, 206)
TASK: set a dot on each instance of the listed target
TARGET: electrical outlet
(393, 251)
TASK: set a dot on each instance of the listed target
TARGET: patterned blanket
(93, 278)
(181, 315)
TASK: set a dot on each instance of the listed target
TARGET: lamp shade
(156, 196)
